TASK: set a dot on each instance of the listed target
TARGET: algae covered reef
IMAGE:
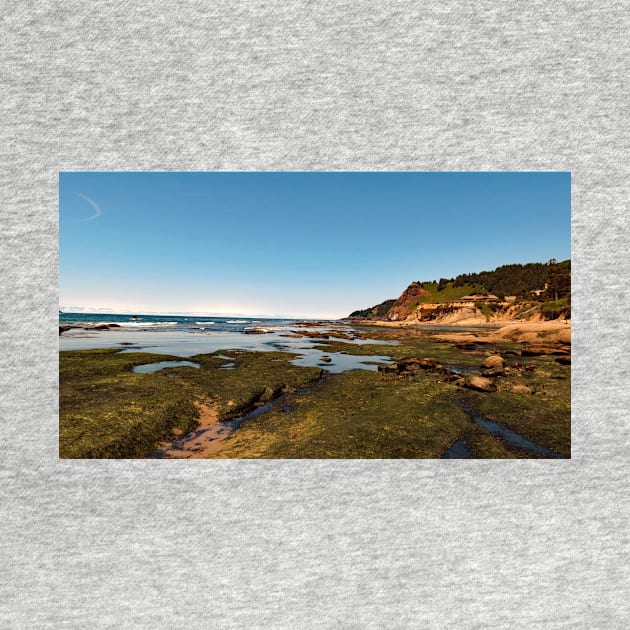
(435, 398)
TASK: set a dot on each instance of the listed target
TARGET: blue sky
(294, 244)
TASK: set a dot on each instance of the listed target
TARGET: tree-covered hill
(376, 312)
(548, 283)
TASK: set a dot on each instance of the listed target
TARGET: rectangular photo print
(327, 315)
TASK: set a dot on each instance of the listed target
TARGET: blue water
(191, 335)
(458, 450)
(190, 323)
(507, 435)
(147, 368)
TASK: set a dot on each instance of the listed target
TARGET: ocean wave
(206, 323)
(144, 324)
(237, 321)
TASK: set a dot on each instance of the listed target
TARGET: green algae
(356, 414)
(106, 410)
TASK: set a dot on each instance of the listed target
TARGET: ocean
(187, 336)
(173, 322)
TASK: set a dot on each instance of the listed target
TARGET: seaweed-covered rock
(413, 364)
(492, 372)
(388, 369)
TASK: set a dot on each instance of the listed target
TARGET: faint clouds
(97, 210)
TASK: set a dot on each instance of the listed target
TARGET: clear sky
(294, 244)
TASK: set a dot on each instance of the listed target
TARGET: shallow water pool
(147, 368)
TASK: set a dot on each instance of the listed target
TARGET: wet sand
(201, 443)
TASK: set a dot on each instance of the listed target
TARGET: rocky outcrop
(407, 302)
(410, 365)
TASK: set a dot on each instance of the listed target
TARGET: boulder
(479, 383)
(494, 361)
(325, 359)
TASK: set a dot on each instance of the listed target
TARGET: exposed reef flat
(482, 393)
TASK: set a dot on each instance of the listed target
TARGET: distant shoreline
(547, 332)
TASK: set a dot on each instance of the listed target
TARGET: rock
(314, 334)
(492, 372)
(451, 377)
(479, 383)
(494, 361)
(176, 432)
(325, 359)
(521, 389)
(530, 368)
(62, 329)
(388, 369)
(256, 331)
(565, 360)
(340, 335)
(412, 364)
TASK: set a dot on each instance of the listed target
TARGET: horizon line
(108, 311)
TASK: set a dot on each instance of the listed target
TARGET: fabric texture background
(318, 86)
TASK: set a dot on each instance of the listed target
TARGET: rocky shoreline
(544, 332)
(438, 389)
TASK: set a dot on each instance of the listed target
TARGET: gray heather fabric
(315, 544)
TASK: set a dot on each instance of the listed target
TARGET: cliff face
(531, 292)
(407, 302)
(462, 313)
